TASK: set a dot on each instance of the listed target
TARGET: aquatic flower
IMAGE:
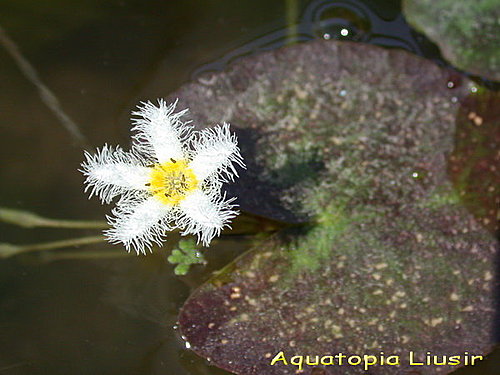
(171, 178)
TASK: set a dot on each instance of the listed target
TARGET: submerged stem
(28, 219)
(106, 254)
(8, 250)
(46, 95)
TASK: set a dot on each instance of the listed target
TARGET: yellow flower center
(170, 182)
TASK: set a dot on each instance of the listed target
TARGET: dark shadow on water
(262, 195)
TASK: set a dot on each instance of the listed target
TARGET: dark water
(116, 316)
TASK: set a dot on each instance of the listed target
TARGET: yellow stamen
(171, 181)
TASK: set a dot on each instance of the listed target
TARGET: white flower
(171, 178)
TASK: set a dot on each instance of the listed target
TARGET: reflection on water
(100, 59)
(342, 20)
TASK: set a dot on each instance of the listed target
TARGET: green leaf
(186, 255)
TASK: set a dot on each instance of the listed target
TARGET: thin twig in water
(12, 366)
(46, 95)
(8, 250)
(28, 219)
(82, 255)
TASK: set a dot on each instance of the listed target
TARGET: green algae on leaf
(389, 260)
(467, 31)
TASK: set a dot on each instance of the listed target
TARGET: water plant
(171, 178)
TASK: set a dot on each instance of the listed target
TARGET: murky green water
(107, 316)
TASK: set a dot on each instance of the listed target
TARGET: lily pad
(467, 31)
(354, 139)
(474, 163)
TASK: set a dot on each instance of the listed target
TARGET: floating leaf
(474, 163)
(389, 259)
(465, 30)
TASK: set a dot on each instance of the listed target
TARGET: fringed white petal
(139, 222)
(205, 215)
(160, 133)
(112, 171)
(216, 152)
